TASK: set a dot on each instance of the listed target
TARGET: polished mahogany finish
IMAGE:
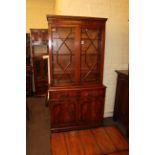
(98, 141)
(28, 50)
(76, 56)
(121, 109)
(29, 71)
(39, 48)
(76, 107)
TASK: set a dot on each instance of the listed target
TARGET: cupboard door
(63, 113)
(91, 110)
(63, 55)
(90, 55)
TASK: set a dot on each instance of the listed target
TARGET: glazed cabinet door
(63, 113)
(63, 49)
(76, 55)
(90, 54)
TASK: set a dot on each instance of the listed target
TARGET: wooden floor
(98, 141)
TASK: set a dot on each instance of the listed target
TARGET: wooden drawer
(59, 95)
(92, 93)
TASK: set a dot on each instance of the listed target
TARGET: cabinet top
(125, 72)
(64, 17)
(38, 30)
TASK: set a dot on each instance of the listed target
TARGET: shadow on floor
(37, 127)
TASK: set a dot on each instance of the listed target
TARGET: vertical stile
(50, 53)
(77, 54)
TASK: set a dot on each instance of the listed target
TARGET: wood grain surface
(97, 141)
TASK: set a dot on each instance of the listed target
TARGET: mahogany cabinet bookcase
(76, 55)
(39, 47)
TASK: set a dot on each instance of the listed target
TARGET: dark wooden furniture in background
(29, 86)
(39, 47)
(121, 109)
(76, 54)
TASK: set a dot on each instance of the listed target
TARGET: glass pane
(40, 50)
(63, 55)
(90, 55)
(62, 32)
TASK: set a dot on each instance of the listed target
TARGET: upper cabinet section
(39, 36)
(39, 42)
(76, 20)
(76, 50)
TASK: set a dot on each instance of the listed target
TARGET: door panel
(63, 55)
(90, 55)
(91, 110)
(63, 113)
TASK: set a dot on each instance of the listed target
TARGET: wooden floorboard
(58, 144)
(98, 141)
(74, 144)
(103, 140)
(117, 138)
(90, 146)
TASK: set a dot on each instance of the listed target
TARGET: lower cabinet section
(76, 108)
